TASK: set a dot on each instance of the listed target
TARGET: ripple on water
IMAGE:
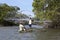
(11, 33)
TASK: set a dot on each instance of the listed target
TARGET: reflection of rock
(27, 30)
(44, 30)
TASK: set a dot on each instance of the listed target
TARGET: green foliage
(4, 9)
(39, 7)
(51, 11)
(7, 23)
(7, 11)
(21, 16)
(37, 4)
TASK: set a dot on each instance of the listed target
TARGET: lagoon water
(11, 33)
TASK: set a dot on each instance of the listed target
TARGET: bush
(56, 21)
(7, 23)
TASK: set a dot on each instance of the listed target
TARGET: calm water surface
(11, 33)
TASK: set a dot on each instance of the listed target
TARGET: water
(11, 33)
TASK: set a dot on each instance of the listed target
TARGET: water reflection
(11, 33)
(48, 34)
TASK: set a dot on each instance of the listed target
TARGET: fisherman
(21, 27)
(30, 23)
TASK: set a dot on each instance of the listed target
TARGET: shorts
(30, 25)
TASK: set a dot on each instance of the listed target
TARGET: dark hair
(20, 23)
(30, 17)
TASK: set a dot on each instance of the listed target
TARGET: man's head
(20, 23)
(30, 17)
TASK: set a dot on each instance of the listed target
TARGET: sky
(24, 5)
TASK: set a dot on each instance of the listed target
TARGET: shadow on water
(11, 33)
